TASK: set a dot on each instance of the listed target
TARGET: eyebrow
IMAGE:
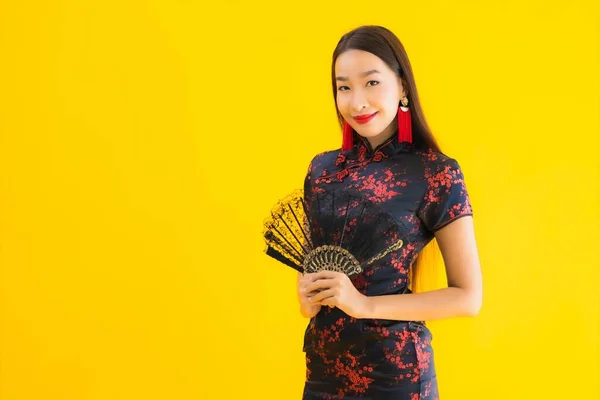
(363, 74)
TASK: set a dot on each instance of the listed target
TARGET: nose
(359, 101)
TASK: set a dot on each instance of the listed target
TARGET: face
(359, 94)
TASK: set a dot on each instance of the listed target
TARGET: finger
(321, 284)
(309, 276)
(305, 288)
(310, 294)
(327, 274)
(325, 294)
(308, 280)
(329, 302)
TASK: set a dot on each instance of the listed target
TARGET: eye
(341, 87)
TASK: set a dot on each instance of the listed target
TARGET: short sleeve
(308, 184)
(446, 198)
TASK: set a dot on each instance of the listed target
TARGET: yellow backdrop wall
(143, 143)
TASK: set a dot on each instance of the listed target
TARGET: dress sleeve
(446, 197)
(308, 190)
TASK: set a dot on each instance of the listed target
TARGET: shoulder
(435, 161)
(324, 159)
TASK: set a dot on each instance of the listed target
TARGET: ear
(401, 89)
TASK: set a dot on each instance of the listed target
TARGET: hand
(307, 309)
(336, 290)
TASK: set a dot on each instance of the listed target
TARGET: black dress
(348, 358)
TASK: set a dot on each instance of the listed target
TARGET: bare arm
(462, 297)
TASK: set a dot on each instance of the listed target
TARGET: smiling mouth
(365, 119)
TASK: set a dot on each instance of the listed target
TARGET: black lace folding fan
(337, 231)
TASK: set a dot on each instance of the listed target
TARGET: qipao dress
(424, 190)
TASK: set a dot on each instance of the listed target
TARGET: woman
(367, 337)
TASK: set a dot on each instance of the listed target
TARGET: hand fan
(338, 231)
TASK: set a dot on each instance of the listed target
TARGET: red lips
(363, 119)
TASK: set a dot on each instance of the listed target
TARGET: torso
(351, 356)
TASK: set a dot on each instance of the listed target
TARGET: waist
(340, 334)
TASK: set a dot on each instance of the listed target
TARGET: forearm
(436, 304)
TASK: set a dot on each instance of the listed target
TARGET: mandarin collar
(362, 152)
(389, 146)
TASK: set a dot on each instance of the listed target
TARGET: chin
(372, 132)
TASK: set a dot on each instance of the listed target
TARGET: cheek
(343, 104)
(384, 95)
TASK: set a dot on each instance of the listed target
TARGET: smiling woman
(371, 340)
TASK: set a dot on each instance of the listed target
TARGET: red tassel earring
(347, 139)
(404, 122)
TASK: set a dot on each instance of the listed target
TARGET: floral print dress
(424, 190)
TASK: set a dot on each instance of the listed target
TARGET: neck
(382, 137)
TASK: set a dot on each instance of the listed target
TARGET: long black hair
(385, 44)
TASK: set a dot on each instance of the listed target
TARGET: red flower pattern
(423, 191)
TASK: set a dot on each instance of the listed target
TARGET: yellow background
(143, 143)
